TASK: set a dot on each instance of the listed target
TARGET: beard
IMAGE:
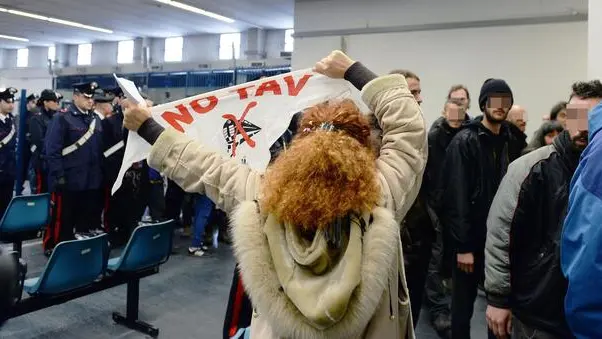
(493, 119)
(323, 176)
(580, 141)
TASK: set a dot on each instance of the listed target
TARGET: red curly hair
(324, 174)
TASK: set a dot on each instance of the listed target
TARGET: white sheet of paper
(129, 89)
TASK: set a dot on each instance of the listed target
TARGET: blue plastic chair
(149, 245)
(73, 264)
(26, 213)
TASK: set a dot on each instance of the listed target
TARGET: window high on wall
(22, 57)
(289, 41)
(84, 54)
(125, 52)
(173, 49)
(229, 46)
(51, 53)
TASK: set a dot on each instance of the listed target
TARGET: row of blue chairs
(81, 267)
(77, 263)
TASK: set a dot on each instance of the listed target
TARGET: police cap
(8, 94)
(115, 91)
(85, 88)
(49, 95)
(32, 97)
(102, 96)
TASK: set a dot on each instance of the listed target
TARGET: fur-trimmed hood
(293, 303)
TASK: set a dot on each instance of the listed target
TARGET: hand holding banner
(242, 121)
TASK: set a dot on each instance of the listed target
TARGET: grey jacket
(522, 253)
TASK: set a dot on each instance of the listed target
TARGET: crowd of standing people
(413, 215)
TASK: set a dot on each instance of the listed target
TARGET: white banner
(242, 121)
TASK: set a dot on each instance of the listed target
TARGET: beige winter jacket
(297, 289)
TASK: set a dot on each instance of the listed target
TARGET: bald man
(518, 116)
(517, 123)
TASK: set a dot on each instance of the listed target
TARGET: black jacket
(38, 125)
(439, 137)
(418, 226)
(517, 142)
(475, 162)
(524, 227)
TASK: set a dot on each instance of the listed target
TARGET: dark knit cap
(493, 86)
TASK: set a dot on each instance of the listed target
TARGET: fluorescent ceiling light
(55, 20)
(13, 38)
(196, 10)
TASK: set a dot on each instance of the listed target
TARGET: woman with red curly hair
(316, 236)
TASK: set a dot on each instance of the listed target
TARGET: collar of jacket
(568, 153)
(477, 124)
(305, 292)
(442, 123)
(76, 111)
(49, 113)
(4, 118)
(515, 131)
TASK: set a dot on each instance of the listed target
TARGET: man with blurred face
(8, 143)
(460, 94)
(581, 240)
(475, 162)
(517, 123)
(438, 298)
(525, 286)
(518, 117)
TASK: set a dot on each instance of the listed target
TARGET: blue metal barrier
(211, 78)
(22, 125)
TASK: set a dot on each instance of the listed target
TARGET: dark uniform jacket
(522, 255)
(80, 169)
(113, 134)
(8, 162)
(38, 125)
(475, 162)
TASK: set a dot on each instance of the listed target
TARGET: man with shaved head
(517, 118)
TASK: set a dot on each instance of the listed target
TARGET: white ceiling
(136, 18)
(139, 18)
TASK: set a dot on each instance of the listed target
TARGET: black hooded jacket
(475, 162)
(517, 142)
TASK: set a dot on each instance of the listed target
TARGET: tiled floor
(187, 299)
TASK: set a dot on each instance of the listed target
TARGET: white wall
(200, 48)
(104, 53)
(10, 58)
(274, 43)
(31, 79)
(595, 37)
(539, 62)
(332, 15)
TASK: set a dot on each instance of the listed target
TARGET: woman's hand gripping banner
(240, 122)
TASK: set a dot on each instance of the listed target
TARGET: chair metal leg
(131, 319)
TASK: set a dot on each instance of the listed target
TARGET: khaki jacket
(294, 296)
